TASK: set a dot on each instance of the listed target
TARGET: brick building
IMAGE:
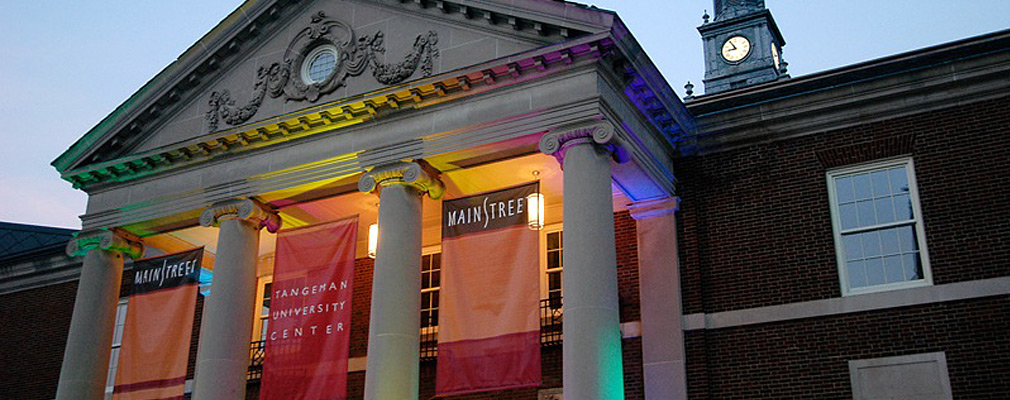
(826, 236)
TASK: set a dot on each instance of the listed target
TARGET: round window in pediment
(320, 64)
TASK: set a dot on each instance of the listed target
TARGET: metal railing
(551, 315)
(257, 352)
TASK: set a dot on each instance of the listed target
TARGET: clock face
(735, 49)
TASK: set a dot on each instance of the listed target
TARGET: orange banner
(158, 328)
(489, 330)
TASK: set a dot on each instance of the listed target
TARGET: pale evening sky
(66, 64)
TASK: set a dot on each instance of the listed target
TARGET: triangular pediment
(267, 59)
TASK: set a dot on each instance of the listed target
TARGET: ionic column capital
(418, 175)
(600, 133)
(107, 240)
(654, 208)
(245, 209)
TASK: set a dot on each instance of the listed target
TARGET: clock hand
(731, 45)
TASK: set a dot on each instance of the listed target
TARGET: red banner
(489, 331)
(308, 334)
(158, 328)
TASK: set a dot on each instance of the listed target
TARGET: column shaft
(86, 359)
(223, 357)
(393, 370)
(593, 367)
(659, 281)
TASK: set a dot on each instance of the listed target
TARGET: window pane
(425, 263)
(554, 281)
(875, 272)
(902, 207)
(861, 186)
(880, 185)
(899, 179)
(866, 214)
(853, 248)
(553, 240)
(885, 210)
(913, 270)
(553, 260)
(889, 241)
(267, 294)
(434, 318)
(110, 380)
(893, 270)
(426, 300)
(848, 216)
(425, 318)
(434, 299)
(436, 261)
(843, 187)
(871, 244)
(857, 274)
(436, 279)
(906, 238)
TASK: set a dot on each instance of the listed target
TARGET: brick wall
(809, 358)
(755, 224)
(34, 331)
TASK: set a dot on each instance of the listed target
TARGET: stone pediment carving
(352, 56)
(173, 107)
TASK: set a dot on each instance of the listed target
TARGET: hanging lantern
(373, 239)
(535, 211)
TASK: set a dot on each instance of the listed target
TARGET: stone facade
(733, 292)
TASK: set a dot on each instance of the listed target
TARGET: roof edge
(201, 48)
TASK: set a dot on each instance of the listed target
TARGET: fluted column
(393, 371)
(659, 281)
(222, 359)
(593, 367)
(86, 358)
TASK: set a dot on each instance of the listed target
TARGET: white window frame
(427, 251)
(920, 230)
(544, 284)
(110, 378)
(260, 297)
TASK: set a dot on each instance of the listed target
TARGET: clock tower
(743, 46)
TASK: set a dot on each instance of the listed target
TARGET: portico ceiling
(459, 182)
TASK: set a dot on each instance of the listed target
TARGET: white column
(591, 348)
(222, 358)
(86, 358)
(393, 371)
(659, 283)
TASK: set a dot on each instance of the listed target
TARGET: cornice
(223, 45)
(344, 113)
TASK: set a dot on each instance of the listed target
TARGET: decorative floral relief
(354, 56)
